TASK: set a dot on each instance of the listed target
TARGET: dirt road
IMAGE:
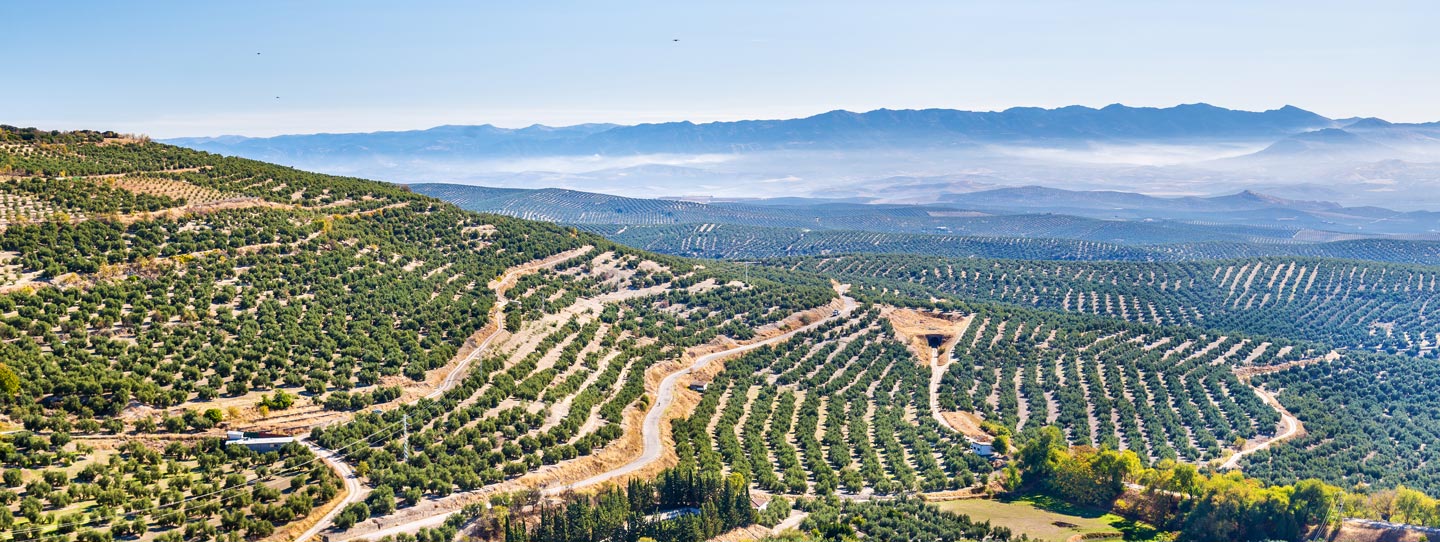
(665, 396)
(354, 490)
(337, 462)
(1290, 427)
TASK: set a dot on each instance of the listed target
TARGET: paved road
(355, 491)
(665, 396)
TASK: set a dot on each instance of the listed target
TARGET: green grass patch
(1049, 519)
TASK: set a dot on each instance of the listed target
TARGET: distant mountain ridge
(903, 156)
(834, 129)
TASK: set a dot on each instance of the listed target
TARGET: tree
(9, 381)
(1313, 501)
(1001, 445)
(1040, 455)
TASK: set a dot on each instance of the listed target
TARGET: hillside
(433, 360)
(133, 316)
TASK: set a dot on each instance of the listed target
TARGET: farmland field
(1049, 520)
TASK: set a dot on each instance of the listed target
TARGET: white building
(982, 449)
(259, 444)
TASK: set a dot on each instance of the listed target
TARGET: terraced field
(136, 317)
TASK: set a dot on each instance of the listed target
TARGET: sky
(260, 68)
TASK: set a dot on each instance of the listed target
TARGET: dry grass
(1047, 520)
(1359, 533)
(915, 327)
(295, 528)
(170, 188)
(967, 423)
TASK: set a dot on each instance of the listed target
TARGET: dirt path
(415, 518)
(665, 396)
(1290, 427)
(939, 363)
(792, 521)
(354, 490)
(357, 491)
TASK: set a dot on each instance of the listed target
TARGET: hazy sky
(191, 68)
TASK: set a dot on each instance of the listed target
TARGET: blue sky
(191, 68)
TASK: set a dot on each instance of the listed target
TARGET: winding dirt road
(1290, 427)
(665, 396)
(650, 429)
(354, 490)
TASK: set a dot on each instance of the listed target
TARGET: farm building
(982, 449)
(259, 443)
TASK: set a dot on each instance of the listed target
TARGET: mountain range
(831, 130)
(906, 156)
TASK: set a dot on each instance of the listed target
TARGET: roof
(262, 440)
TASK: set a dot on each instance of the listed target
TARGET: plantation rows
(1373, 420)
(339, 295)
(170, 331)
(56, 488)
(572, 207)
(711, 240)
(87, 196)
(732, 241)
(558, 398)
(213, 174)
(169, 187)
(837, 408)
(1342, 303)
(551, 290)
(1165, 393)
(66, 159)
(24, 209)
(1374, 250)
